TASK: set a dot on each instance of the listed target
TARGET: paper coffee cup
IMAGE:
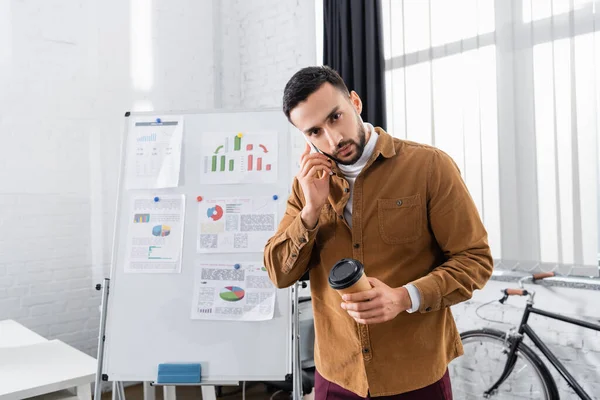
(347, 276)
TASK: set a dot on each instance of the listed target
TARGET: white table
(13, 334)
(32, 366)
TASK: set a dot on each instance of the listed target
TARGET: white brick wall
(68, 72)
(577, 348)
(264, 43)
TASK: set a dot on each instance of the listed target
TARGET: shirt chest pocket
(400, 219)
(327, 226)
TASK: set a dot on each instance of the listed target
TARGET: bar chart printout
(154, 153)
(239, 157)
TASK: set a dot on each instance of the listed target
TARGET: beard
(360, 145)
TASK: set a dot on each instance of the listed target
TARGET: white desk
(31, 366)
(13, 334)
(46, 367)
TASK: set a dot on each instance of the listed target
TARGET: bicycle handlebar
(523, 292)
(516, 292)
(512, 292)
(543, 275)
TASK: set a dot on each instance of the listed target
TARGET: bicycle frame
(525, 329)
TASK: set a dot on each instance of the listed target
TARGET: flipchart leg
(121, 391)
(208, 393)
(149, 391)
(169, 393)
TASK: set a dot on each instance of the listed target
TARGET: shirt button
(399, 203)
(356, 245)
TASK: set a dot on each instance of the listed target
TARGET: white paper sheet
(224, 292)
(239, 157)
(235, 224)
(154, 153)
(155, 234)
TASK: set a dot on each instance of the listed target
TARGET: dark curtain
(353, 46)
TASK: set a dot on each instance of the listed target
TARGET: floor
(254, 391)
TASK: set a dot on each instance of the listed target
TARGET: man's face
(331, 122)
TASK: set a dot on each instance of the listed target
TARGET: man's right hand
(315, 170)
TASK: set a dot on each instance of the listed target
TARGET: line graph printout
(155, 234)
(240, 292)
(235, 224)
(154, 154)
(242, 157)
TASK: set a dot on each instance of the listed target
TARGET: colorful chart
(255, 157)
(161, 230)
(216, 213)
(232, 293)
(147, 138)
(141, 218)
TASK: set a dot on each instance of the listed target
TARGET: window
(511, 90)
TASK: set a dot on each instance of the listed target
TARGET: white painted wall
(69, 70)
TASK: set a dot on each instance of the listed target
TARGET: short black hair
(307, 81)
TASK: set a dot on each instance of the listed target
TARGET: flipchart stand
(208, 391)
(126, 352)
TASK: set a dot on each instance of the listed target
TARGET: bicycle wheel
(482, 364)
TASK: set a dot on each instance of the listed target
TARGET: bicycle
(515, 370)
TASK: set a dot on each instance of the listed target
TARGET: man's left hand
(379, 304)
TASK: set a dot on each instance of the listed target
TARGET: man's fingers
(306, 149)
(305, 153)
(325, 175)
(375, 282)
(315, 156)
(314, 163)
(362, 306)
(314, 171)
(311, 164)
(360, 296)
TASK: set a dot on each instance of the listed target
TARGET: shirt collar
(385, 144)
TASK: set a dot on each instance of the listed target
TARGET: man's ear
(356, 101)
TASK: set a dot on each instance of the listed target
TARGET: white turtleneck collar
(354, 169)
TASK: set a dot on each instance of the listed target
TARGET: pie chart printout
(215, 213)
(232, 293)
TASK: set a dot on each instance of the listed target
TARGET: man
(403, 211)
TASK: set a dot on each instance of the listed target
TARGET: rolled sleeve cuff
(300, 236)
(415, 297)
(430, 294)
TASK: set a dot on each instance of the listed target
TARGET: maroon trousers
(440, 390)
